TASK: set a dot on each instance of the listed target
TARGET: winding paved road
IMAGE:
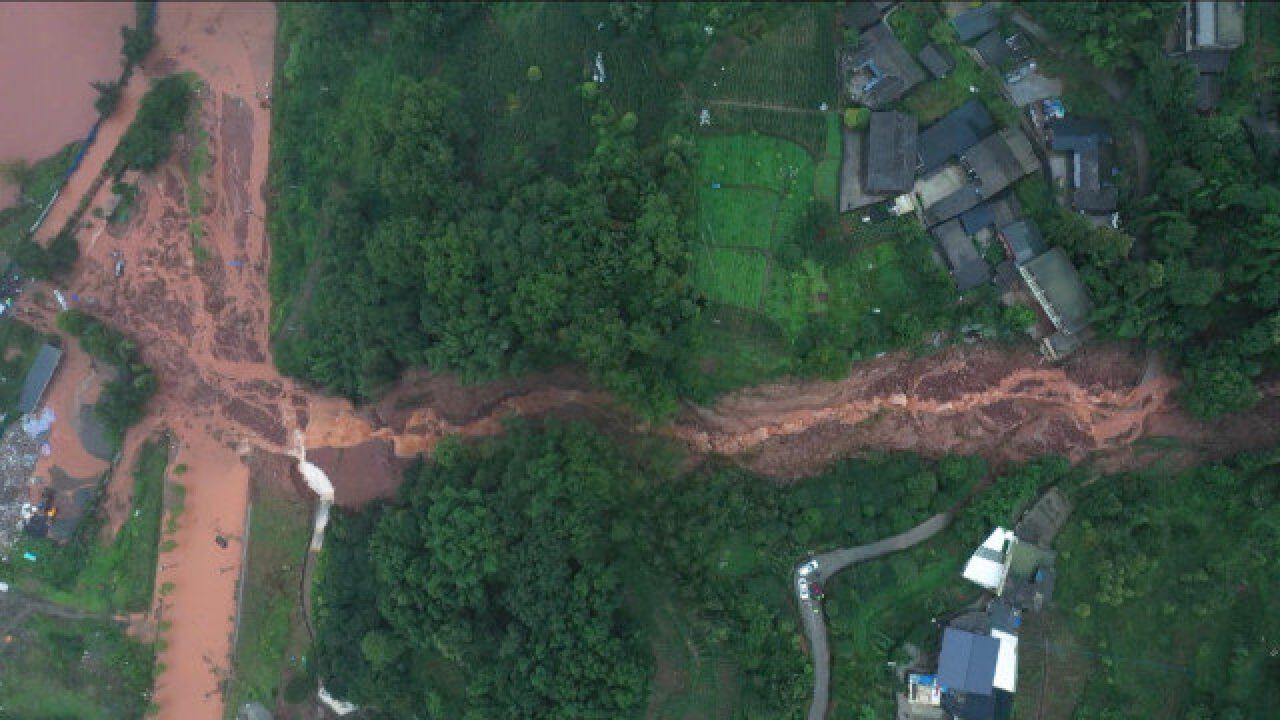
(828, 564)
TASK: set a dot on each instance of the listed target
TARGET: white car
(809, 567)
(802, 588)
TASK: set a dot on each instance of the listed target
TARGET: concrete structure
(989, 564)
(1210, 24)
(891, 153)
(38, 377)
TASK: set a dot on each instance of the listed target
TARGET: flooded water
(49, 53)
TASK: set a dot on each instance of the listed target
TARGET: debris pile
(19, 451)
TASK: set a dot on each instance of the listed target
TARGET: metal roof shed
(967, 267)
(891, 153)
(1057, 286)
(973, 24)
(936, 60)
(1023, 240)
(38, 377)
(967, 663)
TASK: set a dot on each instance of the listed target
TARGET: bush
(299, 689)
(857, 118)
(161, 116)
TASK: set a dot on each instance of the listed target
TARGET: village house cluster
(957, 175)
(975, 674)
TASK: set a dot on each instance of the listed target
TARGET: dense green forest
(1197, 266)
(453, 189)
(1170, 586)
(540, 575)
(554, 573)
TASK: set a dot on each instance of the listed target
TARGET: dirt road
(825, 566)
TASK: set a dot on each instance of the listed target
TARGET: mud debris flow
(204, 328)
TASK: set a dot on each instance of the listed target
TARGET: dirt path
(826, 565)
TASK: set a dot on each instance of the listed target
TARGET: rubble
(19, 451)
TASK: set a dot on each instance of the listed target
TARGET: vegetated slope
(453, 189)
(543, 573)
(1170, 587)
(1197, 267)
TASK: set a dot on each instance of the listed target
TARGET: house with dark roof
(1210, 31)
(968, 269)
(38, 377)
(952, 205)
(973, 24)
(1022, 240)
(879, 70)
(954, 133)
(1085, 140)
(967, 663)
(1056, 285)
(891, 153)
(993, 49)
(1210, 64)
(968, 706)
(860, 14)
(992, 213)
(937, 60)
(992, 165)
(1000, 160)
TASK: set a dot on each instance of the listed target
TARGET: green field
(54, 669)
(774, 82)
(875, 608)
(733, 277)
(271, 623)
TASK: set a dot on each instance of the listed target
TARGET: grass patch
(733, 277)
(694, 677)
(74, 670)
(125, 572)
(752, 161)
(270, 612)
(875, 609)
(736, 217)
(826, 173)
(197, 166)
